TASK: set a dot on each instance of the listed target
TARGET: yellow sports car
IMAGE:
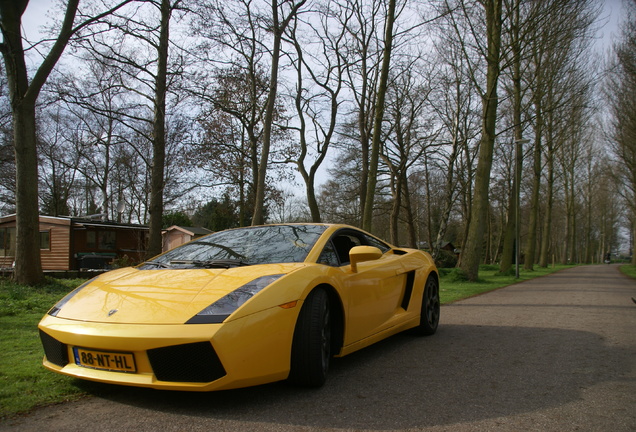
(242, 307)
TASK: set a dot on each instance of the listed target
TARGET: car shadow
(463, 373)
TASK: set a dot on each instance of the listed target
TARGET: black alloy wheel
(311, 347)
(430, 311)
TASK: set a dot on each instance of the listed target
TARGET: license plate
(105, 360)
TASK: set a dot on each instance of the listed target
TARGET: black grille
(196, 362)
(408, 290)
(56, 352)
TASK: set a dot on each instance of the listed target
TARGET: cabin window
(7, 241)
(45, 240)
(91, 239)
(100, 240)
(107, 240)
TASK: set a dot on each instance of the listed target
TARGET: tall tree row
(622, 88)
(401, 117)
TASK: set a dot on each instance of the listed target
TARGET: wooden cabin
(68, 243)
(177, 235)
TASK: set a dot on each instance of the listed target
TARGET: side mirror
(360, 254)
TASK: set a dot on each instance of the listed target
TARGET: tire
(311, 346)
(430, 311)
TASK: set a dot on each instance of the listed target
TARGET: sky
(36, 16)
(609, 20)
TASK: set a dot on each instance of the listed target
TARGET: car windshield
(243, 246)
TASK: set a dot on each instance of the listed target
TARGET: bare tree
(472, 250)
(409, 135)
(146, 76)
(364, 58)
(280, 19)
(23, 94)
(325, 69)
(235, 49)
(454, 102)
(622, 87)
(367, 215)
(58, 164)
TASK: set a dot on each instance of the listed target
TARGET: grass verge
(453, 286)
(25, 384)
(629, 270)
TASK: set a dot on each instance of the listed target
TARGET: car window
(343, 243)
(336, 252)
(372, 241)
(329, 256)
(250, 245)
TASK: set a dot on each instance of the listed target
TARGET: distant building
(68, 243)
(177, 235)
(446, 246)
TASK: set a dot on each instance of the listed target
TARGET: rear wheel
(430, 311)
(311, 347)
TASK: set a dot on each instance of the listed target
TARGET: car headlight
(58, 306)
(218, 311)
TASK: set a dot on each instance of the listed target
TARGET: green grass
(25, 384)
(453, 286)
(629, 270)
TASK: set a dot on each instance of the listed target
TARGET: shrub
(446, 259)
(455, 275)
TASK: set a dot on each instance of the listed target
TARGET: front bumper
(252, 350)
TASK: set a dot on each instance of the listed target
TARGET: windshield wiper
(157, 263)
(229, 263)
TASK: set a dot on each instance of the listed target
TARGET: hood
(163, 296)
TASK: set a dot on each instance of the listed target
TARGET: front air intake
(195, 362)
(56, 352)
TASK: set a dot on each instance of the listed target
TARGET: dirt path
(553, 354)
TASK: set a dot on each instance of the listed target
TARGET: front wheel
(311, 346)
(430, 311)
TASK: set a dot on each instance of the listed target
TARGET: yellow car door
(374, 289)
(375, 293)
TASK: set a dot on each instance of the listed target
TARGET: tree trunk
(312, 202)
(574, 250)
(155, 244)
(448, 190)
(472, 251)
(633, 236)
(395, 207)
(507, 254)
(364, 136)
(28, 266)
(278, 29)
(531, 247)
(410, 220)
(258, 218)
(510, 241)
(632, 207)
(23, 96)
(547, 221)
(367, 216)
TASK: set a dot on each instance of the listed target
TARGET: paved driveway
(556, 353)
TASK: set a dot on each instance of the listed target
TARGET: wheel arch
(337, 318)
(433, 274)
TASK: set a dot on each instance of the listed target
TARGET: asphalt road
(556, 353)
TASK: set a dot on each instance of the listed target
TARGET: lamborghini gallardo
(242, 307)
